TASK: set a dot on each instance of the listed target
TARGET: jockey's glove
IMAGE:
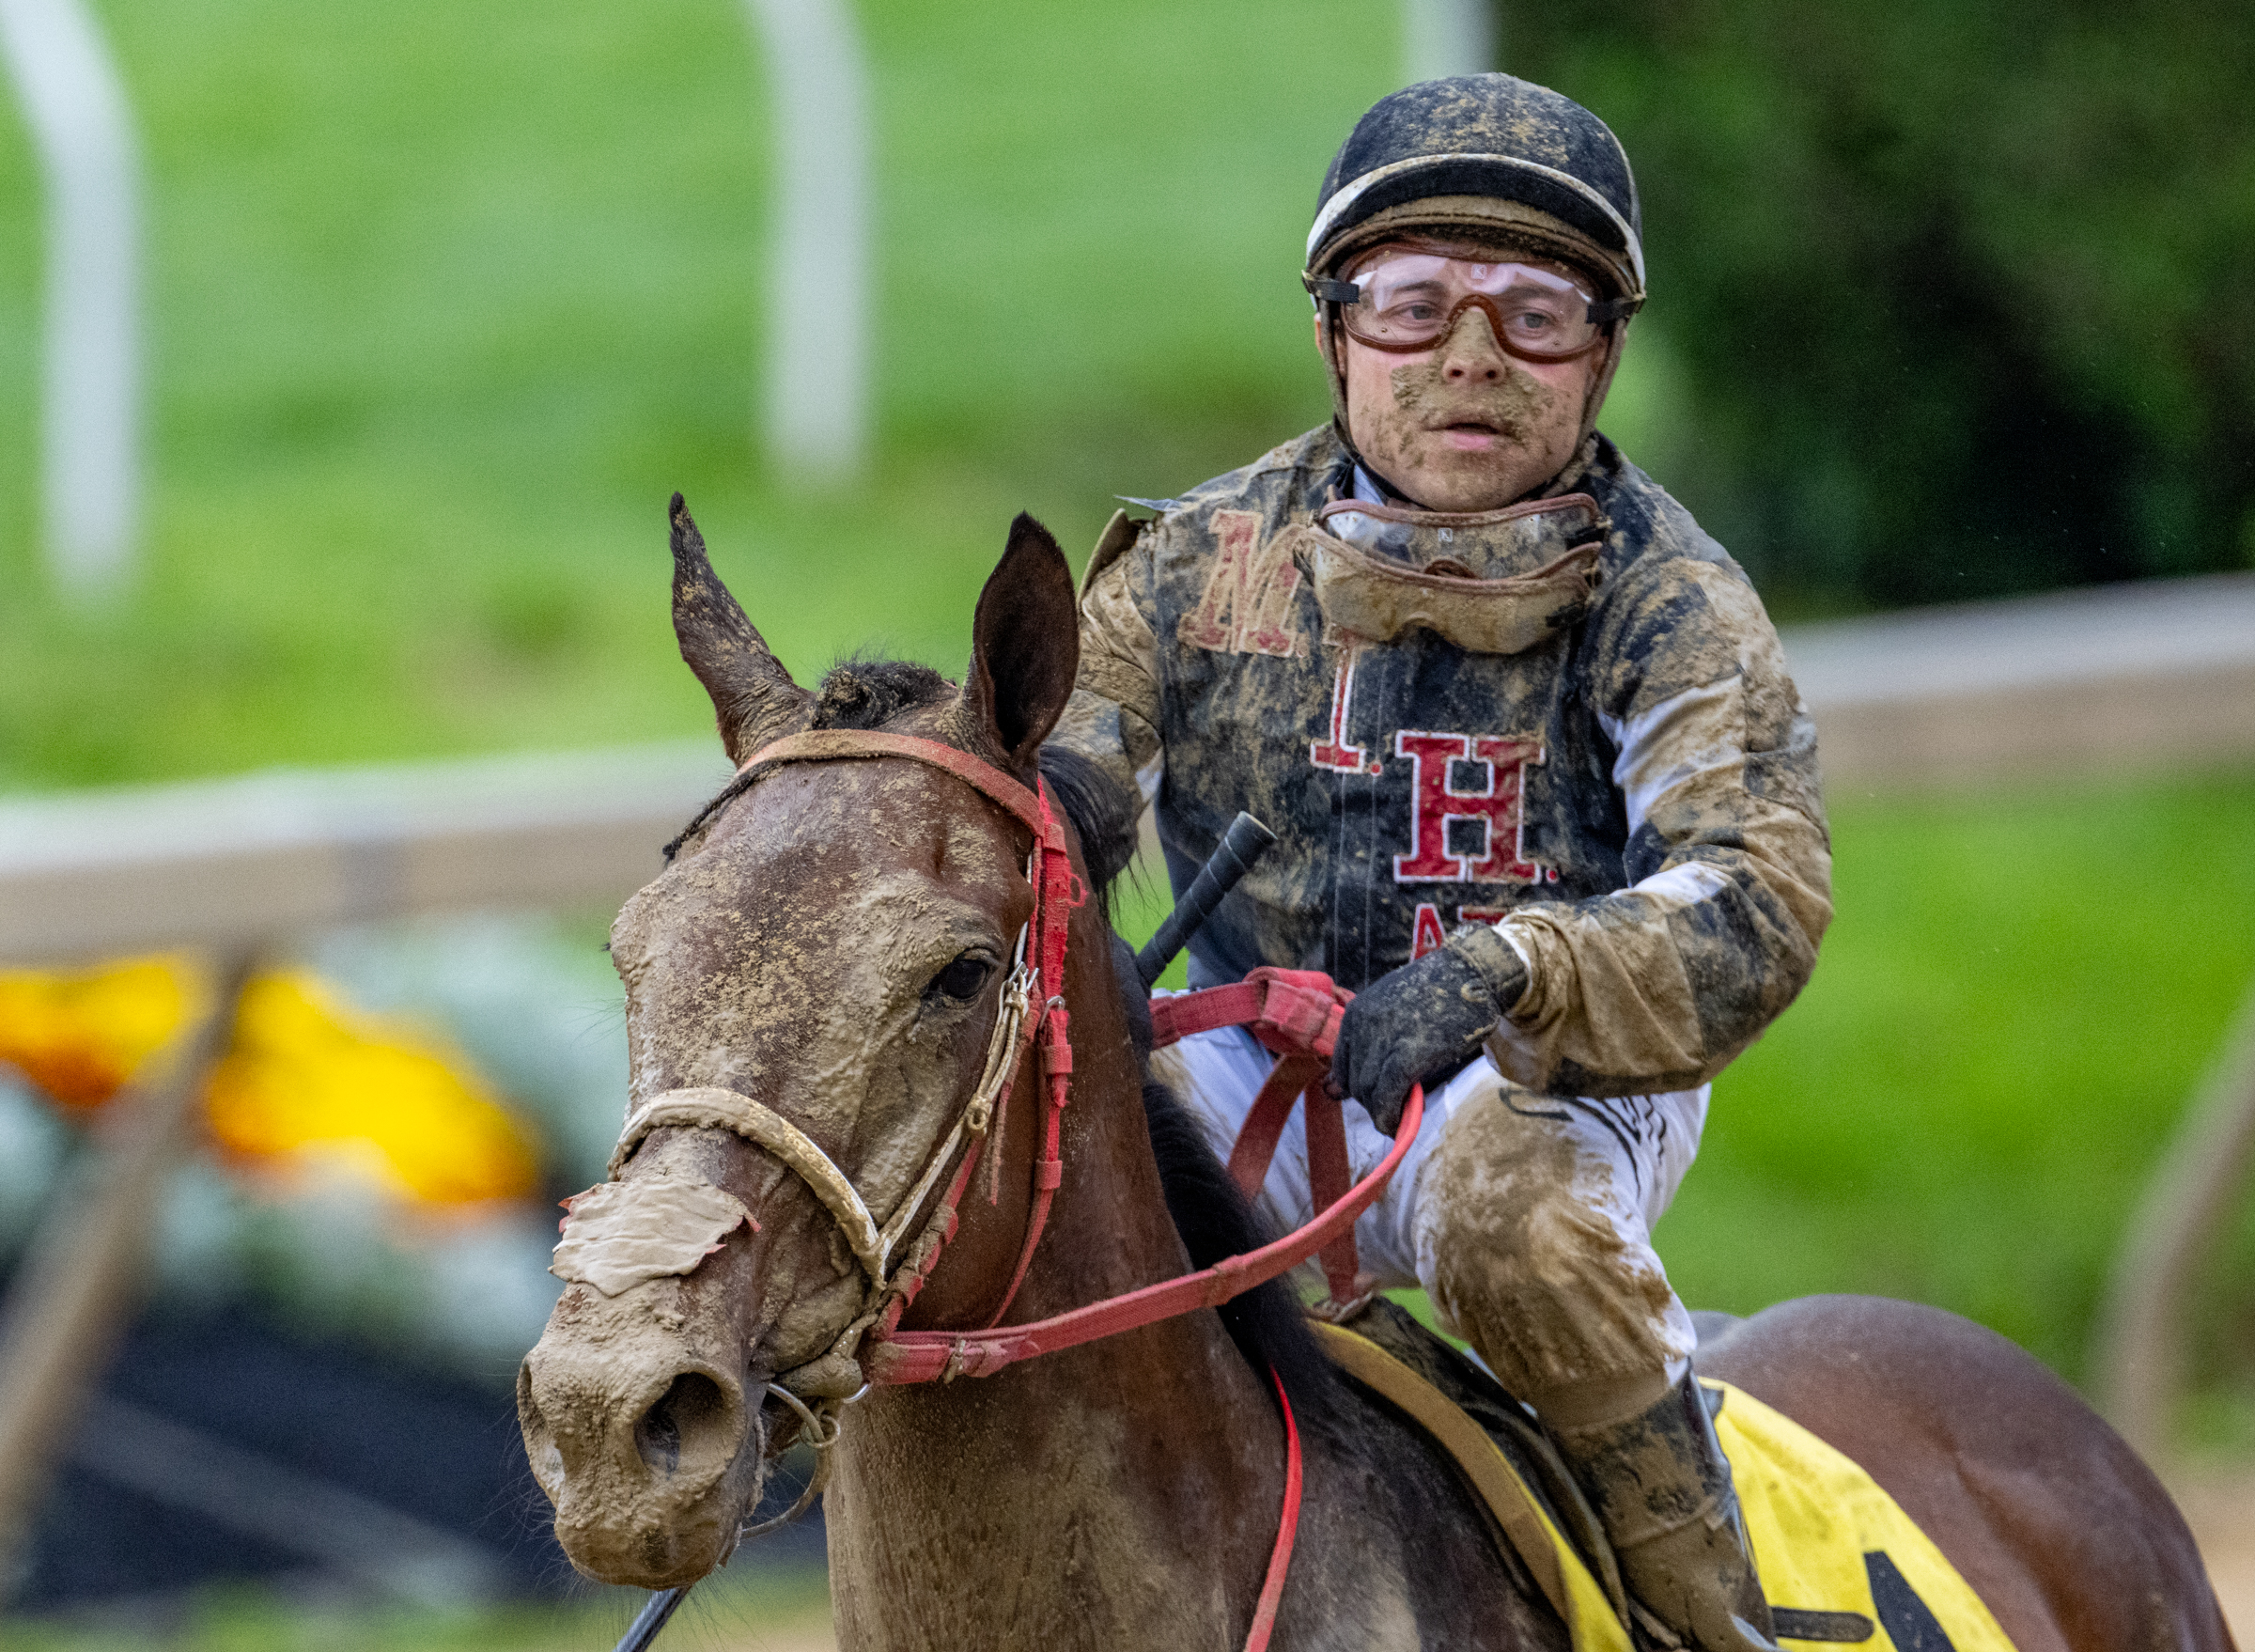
(1425, 1020)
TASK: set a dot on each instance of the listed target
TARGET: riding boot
(1662, 1488)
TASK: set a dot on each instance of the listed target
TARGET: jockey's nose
(1470, 353)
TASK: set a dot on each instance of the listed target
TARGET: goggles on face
(1406, 299)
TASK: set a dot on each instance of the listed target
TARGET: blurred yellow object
(304, 1084)
(80, 1037)
(308, 1087)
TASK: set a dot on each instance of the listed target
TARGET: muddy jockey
(1545, 797)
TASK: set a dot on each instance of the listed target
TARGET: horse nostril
(692, 1409)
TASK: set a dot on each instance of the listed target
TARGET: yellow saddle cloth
(1837, 1556)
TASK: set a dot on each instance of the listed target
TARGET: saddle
(1823, 1530)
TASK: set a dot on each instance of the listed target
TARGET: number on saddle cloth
(1295, 1014)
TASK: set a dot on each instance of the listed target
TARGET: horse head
(831, 943)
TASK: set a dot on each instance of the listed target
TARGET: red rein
(1293, 1013)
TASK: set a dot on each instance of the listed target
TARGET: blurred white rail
(81, 127)
(2139, 1349)
(227, 862)
(2082, 681)
(2137, 675)
(1444, 37)
(204, 1477)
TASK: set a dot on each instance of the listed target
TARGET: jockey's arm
(1656, 986)
(1112, 718)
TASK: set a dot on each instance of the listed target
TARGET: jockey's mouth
(1475, 434)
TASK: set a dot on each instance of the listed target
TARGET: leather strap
(924, 1356)
(1287, 1530)
(843, 744)
(1292, 1012)
(1295, 1014)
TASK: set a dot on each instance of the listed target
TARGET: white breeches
(1527, 1219)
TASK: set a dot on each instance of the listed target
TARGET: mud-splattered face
(830, 947)
(1465, 425)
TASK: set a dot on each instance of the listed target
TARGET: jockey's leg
(1527, 1219)
(1534, 1225)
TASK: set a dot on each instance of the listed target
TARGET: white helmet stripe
(1349, 193)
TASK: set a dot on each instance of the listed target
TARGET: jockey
(1544, 796)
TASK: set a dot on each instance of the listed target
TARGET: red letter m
(1464, 810)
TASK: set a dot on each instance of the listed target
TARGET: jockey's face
(1465, 425)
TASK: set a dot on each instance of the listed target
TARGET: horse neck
(1147, 1469)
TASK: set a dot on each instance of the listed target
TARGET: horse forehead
(842, 817)
(832, 832)
(812, 857)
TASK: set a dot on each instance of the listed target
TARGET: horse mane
(1216, 1221)
(869, 693)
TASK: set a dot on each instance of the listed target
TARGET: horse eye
(963, 977)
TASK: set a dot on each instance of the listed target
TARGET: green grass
(446, 298)
(2020, 992)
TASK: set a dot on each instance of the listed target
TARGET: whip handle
(1244, 843)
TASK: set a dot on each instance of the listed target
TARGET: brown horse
(831, 941)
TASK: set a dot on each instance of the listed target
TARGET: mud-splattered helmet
(1492, 157)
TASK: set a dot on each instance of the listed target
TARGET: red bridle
(1051, 872)
(1295, 1015)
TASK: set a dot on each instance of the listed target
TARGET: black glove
(1425, 1018)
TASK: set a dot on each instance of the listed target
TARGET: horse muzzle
(651, 1453)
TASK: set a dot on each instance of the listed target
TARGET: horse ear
(1025, 645)
(752, 695)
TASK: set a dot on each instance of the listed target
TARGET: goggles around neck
(1406, 298)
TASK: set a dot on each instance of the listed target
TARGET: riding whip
(1244, 843)
(644, 1627)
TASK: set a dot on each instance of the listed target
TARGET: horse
(833, 941)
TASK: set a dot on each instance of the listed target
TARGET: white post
(74, 103)
(1443, 37)
(816, 280)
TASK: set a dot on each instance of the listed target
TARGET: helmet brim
(1505, 178)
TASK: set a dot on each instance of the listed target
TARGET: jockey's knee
(1528, 1250)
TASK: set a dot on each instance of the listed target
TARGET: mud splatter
(1526, 1259)
(1401, 422)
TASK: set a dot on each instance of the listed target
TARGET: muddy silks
(1522, 723)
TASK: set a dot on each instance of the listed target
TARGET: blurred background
(1951, 340)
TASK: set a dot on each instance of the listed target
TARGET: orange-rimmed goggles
(1406, 299)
